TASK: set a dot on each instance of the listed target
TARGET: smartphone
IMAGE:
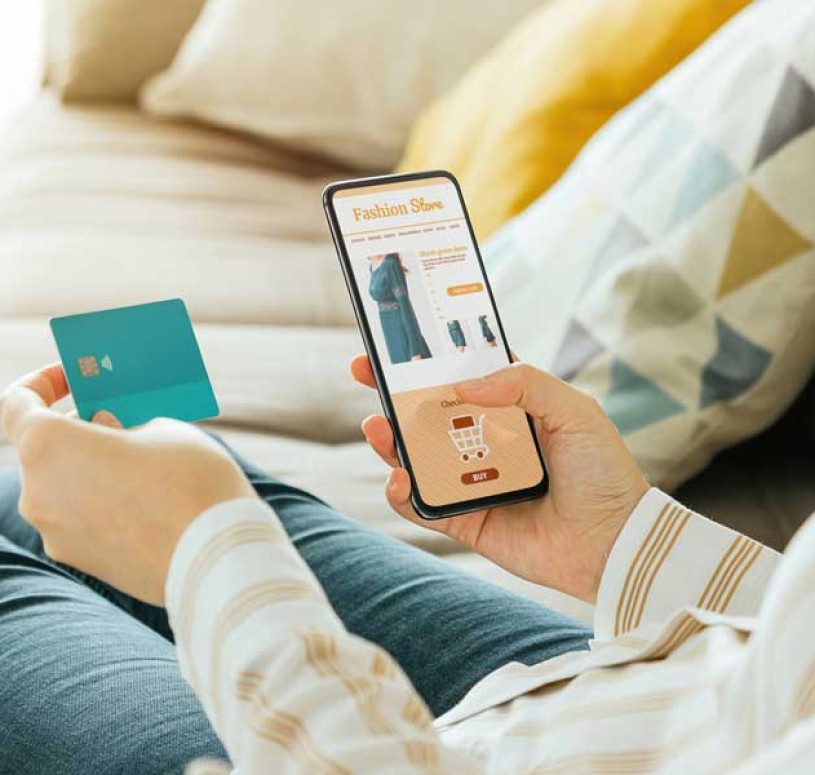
(428, 319)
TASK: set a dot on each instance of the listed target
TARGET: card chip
(88, 366)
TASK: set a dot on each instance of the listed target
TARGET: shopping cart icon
(468, 437)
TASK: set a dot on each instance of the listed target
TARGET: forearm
(284, 684)
(668, 557)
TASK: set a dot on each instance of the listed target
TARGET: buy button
(475, 477)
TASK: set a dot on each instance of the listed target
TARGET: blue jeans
(89, 681)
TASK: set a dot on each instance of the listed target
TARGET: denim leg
(447, 628)
(85, 687)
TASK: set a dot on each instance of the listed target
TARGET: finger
(537, 392)
(397, 491)
(379, 435)
(361, 370)
(107, 419)
(29, 396)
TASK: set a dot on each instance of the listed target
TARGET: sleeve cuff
(667, 558)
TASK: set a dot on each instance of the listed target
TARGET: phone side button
(476, 477)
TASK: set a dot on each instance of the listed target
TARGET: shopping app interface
(433, 325)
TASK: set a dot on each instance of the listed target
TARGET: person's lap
(84, 686)
(89, 679)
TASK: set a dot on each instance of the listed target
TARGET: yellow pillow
(515, 122)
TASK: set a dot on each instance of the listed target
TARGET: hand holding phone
(428, 319)
(561, 541)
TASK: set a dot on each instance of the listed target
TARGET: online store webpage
(432, 321)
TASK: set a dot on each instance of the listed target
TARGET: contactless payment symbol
(89, 366)
(467, 435)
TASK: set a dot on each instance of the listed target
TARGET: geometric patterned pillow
(671, 272)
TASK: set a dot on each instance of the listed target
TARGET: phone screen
(419, 280)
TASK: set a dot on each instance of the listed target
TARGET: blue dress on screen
(456, 333)
(485, 329)
(388, 287)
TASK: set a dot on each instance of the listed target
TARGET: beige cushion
(341, 79)
(106, 207)
(106, 49)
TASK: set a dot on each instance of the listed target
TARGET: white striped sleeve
(285, 686)
(667, 557)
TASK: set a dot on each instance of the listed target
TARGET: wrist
(213, 487)
(610, 532)
(599, 541)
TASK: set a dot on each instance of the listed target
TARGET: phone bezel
(425, 510)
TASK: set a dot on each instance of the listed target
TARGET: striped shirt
(703, 661)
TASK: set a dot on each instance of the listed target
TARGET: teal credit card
(138, 362)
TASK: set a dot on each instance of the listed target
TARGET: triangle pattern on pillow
(673, 135)
(762, 240)
(792, 114)
(740, 121)
(623, 239)
(578, 349)
(634, 401)
(734, 368)
(709, 173)
(663, 299)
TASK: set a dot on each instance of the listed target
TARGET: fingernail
(107, 418)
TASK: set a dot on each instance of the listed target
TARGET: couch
(102, 206)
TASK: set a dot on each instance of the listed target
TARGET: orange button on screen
(460, 290)
(476, 477)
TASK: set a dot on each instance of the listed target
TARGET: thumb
(542, 395)
(107, 419)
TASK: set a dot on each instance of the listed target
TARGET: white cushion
(345, 79)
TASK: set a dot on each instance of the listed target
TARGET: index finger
(34, 392)
(539, 393)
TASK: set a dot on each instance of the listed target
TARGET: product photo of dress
(400, 326)
(485, 329)
(456, 333)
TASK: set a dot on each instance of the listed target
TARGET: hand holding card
(138, 363)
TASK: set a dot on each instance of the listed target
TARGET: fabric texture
(104, 50)
(515, 122)
(89, 680)
(348, 87)
(74, 648)
(672, 271)
(714, 629)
